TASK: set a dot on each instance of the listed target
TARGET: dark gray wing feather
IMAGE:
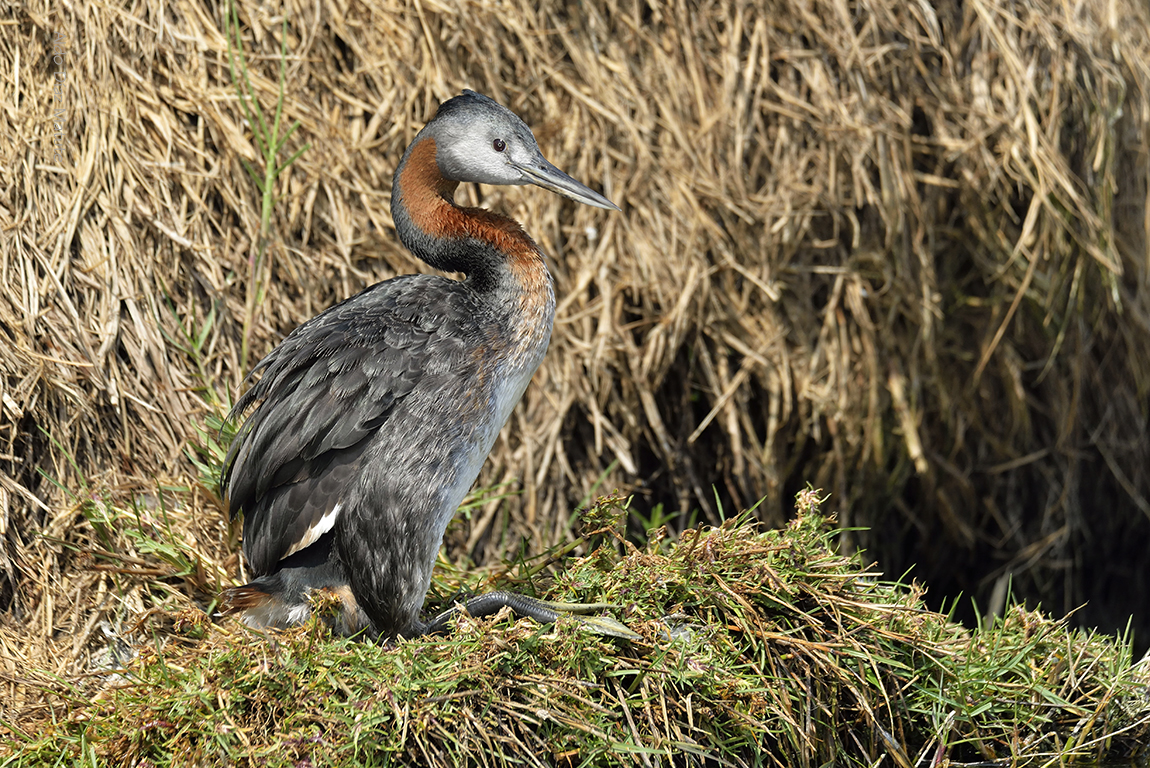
(324, 392)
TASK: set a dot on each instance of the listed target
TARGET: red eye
(498, 145)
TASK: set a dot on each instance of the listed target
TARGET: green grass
(270, 139)
(760, 648)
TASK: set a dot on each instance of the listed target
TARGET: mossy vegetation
(760, 647)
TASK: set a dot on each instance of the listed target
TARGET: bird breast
(503, 373)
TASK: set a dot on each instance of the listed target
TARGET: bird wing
(323, 393)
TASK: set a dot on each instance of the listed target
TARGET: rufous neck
(475, 241)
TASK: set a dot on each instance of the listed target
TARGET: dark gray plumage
(371, 421)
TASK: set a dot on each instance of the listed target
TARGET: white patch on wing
(311, 536)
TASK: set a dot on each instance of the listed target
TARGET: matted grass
(759, 648)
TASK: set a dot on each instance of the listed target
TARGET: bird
(370, 422)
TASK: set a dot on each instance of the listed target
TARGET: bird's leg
(541, 610)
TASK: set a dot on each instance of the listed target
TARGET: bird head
(479, 140)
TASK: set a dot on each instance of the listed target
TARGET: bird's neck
(497, 256)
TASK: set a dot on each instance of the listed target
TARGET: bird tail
(248, 597)
(265, 606)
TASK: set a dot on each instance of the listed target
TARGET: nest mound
(896, 250)
(751, 648)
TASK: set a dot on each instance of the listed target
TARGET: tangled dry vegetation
(898, 250)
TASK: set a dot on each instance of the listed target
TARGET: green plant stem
(269, 142)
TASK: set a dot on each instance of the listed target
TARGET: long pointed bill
(551, 178)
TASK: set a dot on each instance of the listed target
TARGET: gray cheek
(449, 165)
(457, 166)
